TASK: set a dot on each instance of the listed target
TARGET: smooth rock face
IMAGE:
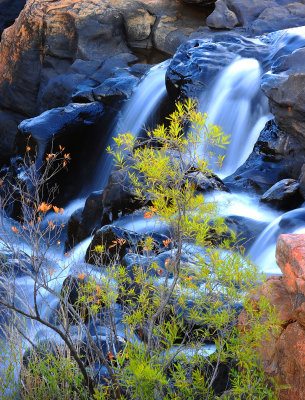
(283, 358)
(284, 195)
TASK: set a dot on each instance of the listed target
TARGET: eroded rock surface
(56, 49)
(284, 356)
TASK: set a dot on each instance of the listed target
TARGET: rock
(290, 256)
(284, 88)
(276, 156)
(113, 89)
(115, 243)
(289, 362)
(138, 24)
(119, 197)
(75, 233)
(284, 195)
(246, 229)
(75, 127)
(283, 356)
(49, 41)
(85, 221)
(197, 62)
(199, 2)
(222, 17)
(71, 292)
(9, 122)
(279, 17)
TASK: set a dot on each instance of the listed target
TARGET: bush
(168, 313)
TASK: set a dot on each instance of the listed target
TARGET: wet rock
(85, 221)
(246, 229)
(71, 292)
(222, 17)
(114, 244)
(119, 197)
(75, 127)
(197, 62)
(284, 88)
(284, 195)
(113, 89)
(276, 156)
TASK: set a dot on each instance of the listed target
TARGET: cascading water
(134, 116)
(237, 104)
(263, 250)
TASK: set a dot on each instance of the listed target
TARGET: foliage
(168, 313)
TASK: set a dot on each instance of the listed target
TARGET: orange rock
(290, 256)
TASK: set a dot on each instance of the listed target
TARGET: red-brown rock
(290, 256)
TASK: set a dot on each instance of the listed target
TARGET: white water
(134, 116)
(263, 250)
(237, 104)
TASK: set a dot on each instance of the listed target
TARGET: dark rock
(113, 89)
(76, 128)
(71, 292)
(279, 17)
(197, 62)
(75, 232)
(9, 122)
(276, 156)
(284, 195)
(283, 86)
(116, 243)
(160, 243)
(246, 229)
(85, 221)
(119, 197)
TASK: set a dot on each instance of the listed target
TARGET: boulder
(283, 357)
(276, 156)
(222, 17)
(113, 244)
(279, 17)
(77, 128)
(47, 40)
(85, 221)
(196, 64)
(284, 195)
(284, 88)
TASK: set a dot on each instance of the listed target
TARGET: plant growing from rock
(141, 323)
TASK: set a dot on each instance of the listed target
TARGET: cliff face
(55, 46)
(284, 356)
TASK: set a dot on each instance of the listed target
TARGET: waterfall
(135, 115)
(263, 250)
(237, 104)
